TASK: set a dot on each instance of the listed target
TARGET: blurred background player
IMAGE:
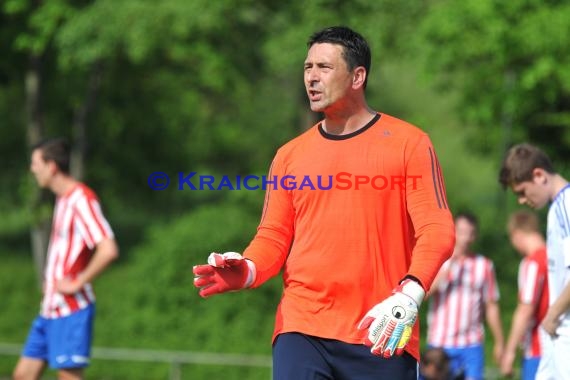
(81, 246)
(465, 293)
(434, 365)
(529, 173)
(526, 238)
(355, 261)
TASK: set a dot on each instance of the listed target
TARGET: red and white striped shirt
(457, 308)
(78, 225)
(533, 290)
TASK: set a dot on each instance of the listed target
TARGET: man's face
(42, 170)
(517, 240)
(532, 193)
(328, 80)
(465, 233)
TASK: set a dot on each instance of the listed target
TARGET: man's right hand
(224, 273)
(506, 364)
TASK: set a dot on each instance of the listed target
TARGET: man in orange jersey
(357, 258)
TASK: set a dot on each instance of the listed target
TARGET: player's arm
(429, 212)
(390, 322)
(560, 306)
(269, 248)
(98, 236)
(532, 283)
(521, 323)
(267, 252)
(492, 311)
(106, 252)
(493, 317)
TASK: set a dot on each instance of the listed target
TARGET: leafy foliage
(159, 307)
(508, 61)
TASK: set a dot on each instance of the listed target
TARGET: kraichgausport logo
(339, 181)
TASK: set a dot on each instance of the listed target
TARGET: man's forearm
(105, 253)
(522, 318)
(562, 304)
(494, 322)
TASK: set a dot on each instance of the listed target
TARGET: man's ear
(53, 169)
(358, 77)
(539, 176)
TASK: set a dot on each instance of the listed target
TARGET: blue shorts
(62, 342)
(469, 360)
(529, 368)
(302, 357)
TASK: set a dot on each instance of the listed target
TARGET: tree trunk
(40, 224)
(79, 150)
(507, 118)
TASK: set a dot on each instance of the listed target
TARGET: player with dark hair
(435, 366)
(530, 174)
(463, 296)
(81, 246)
(358, 259)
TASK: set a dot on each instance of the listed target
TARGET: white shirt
(558, 250)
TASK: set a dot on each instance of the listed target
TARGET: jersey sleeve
(92, 224)
(531, 282)
(270, 246)
(490, 290)
(566, 250)
(561, 209)
(429, 212)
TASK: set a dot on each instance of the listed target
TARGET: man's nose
(312, 76)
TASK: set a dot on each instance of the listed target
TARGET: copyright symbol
(158, 181)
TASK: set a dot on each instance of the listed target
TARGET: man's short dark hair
(55, 149)
(519, 164)
(468, 216)
(356, 51)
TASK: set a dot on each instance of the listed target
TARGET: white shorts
(554, 363)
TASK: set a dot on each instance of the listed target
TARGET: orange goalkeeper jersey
(347, 218)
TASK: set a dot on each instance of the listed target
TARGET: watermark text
(339, 181)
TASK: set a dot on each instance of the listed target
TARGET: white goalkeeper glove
(390, 322)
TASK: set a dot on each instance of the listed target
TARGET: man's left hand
(68, 285)
(550, 324)
(390, 322)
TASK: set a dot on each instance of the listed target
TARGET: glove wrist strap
(413, 290)
(251, 273)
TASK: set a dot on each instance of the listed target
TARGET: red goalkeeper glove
(224, 273)
(390, 322)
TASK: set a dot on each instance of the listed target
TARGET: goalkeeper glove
(390, 322)
(224, 273)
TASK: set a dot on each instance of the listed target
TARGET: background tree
(508, 60)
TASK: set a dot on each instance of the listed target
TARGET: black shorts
(302, 357)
